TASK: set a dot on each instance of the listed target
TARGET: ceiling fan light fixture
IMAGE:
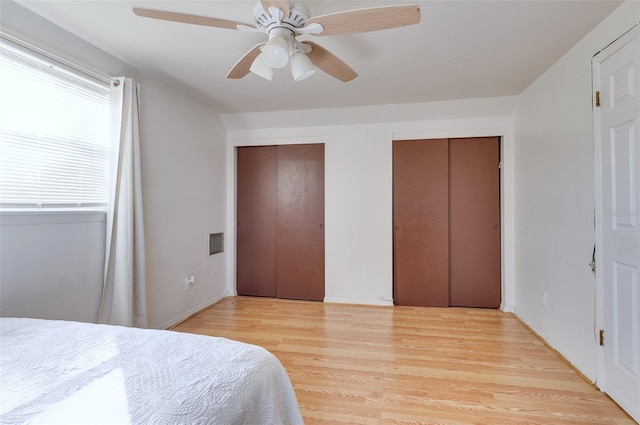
(276, 52)
(301, 66)
(261, 69)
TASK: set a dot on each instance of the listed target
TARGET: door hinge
(602, 337)
(598, 99)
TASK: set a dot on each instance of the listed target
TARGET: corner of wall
(190, 312)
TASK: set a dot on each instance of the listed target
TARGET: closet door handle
(396, 228)
(239, 224)
(322, 226)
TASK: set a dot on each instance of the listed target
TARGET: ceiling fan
(283, 22)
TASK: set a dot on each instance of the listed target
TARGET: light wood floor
(407, 365)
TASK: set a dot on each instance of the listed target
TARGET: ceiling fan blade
(366, 20)
(242, 67)
(280, 4)
(187, 19)
(330, 63)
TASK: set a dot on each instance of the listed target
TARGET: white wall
(358, 180)
(183, 146)
(554, 193)
(51, 266)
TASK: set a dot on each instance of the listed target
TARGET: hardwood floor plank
(367, 365)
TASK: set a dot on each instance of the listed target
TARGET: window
(54, 134)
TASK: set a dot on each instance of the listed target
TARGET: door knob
(322, 226)
(396, 228)
(495, 227)
(239, 224)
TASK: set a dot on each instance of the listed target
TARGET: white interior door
(617, 121)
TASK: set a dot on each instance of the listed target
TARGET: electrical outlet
(189, 281)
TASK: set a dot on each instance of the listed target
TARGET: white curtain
(124, 293)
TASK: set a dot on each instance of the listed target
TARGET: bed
(59, 372)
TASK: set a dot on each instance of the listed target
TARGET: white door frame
(597, 60)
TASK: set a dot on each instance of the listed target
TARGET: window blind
(54, 134)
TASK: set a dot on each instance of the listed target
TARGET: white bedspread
(58, 372)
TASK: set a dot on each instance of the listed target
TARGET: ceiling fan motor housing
(298, 15)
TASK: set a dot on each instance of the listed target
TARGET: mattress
(59, 372)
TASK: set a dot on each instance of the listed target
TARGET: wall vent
(216, 243)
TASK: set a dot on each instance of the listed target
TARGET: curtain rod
(53, 57)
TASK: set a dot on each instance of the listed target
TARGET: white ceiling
(459, 50)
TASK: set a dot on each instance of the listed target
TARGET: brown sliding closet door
(446, 213)
(256, 225)
(474, 220)
(280, 210)
(300, 249)
(420, 215)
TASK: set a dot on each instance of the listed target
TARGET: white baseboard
(507, 308)
(186, 314)
(338, 300)
(580, 367)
